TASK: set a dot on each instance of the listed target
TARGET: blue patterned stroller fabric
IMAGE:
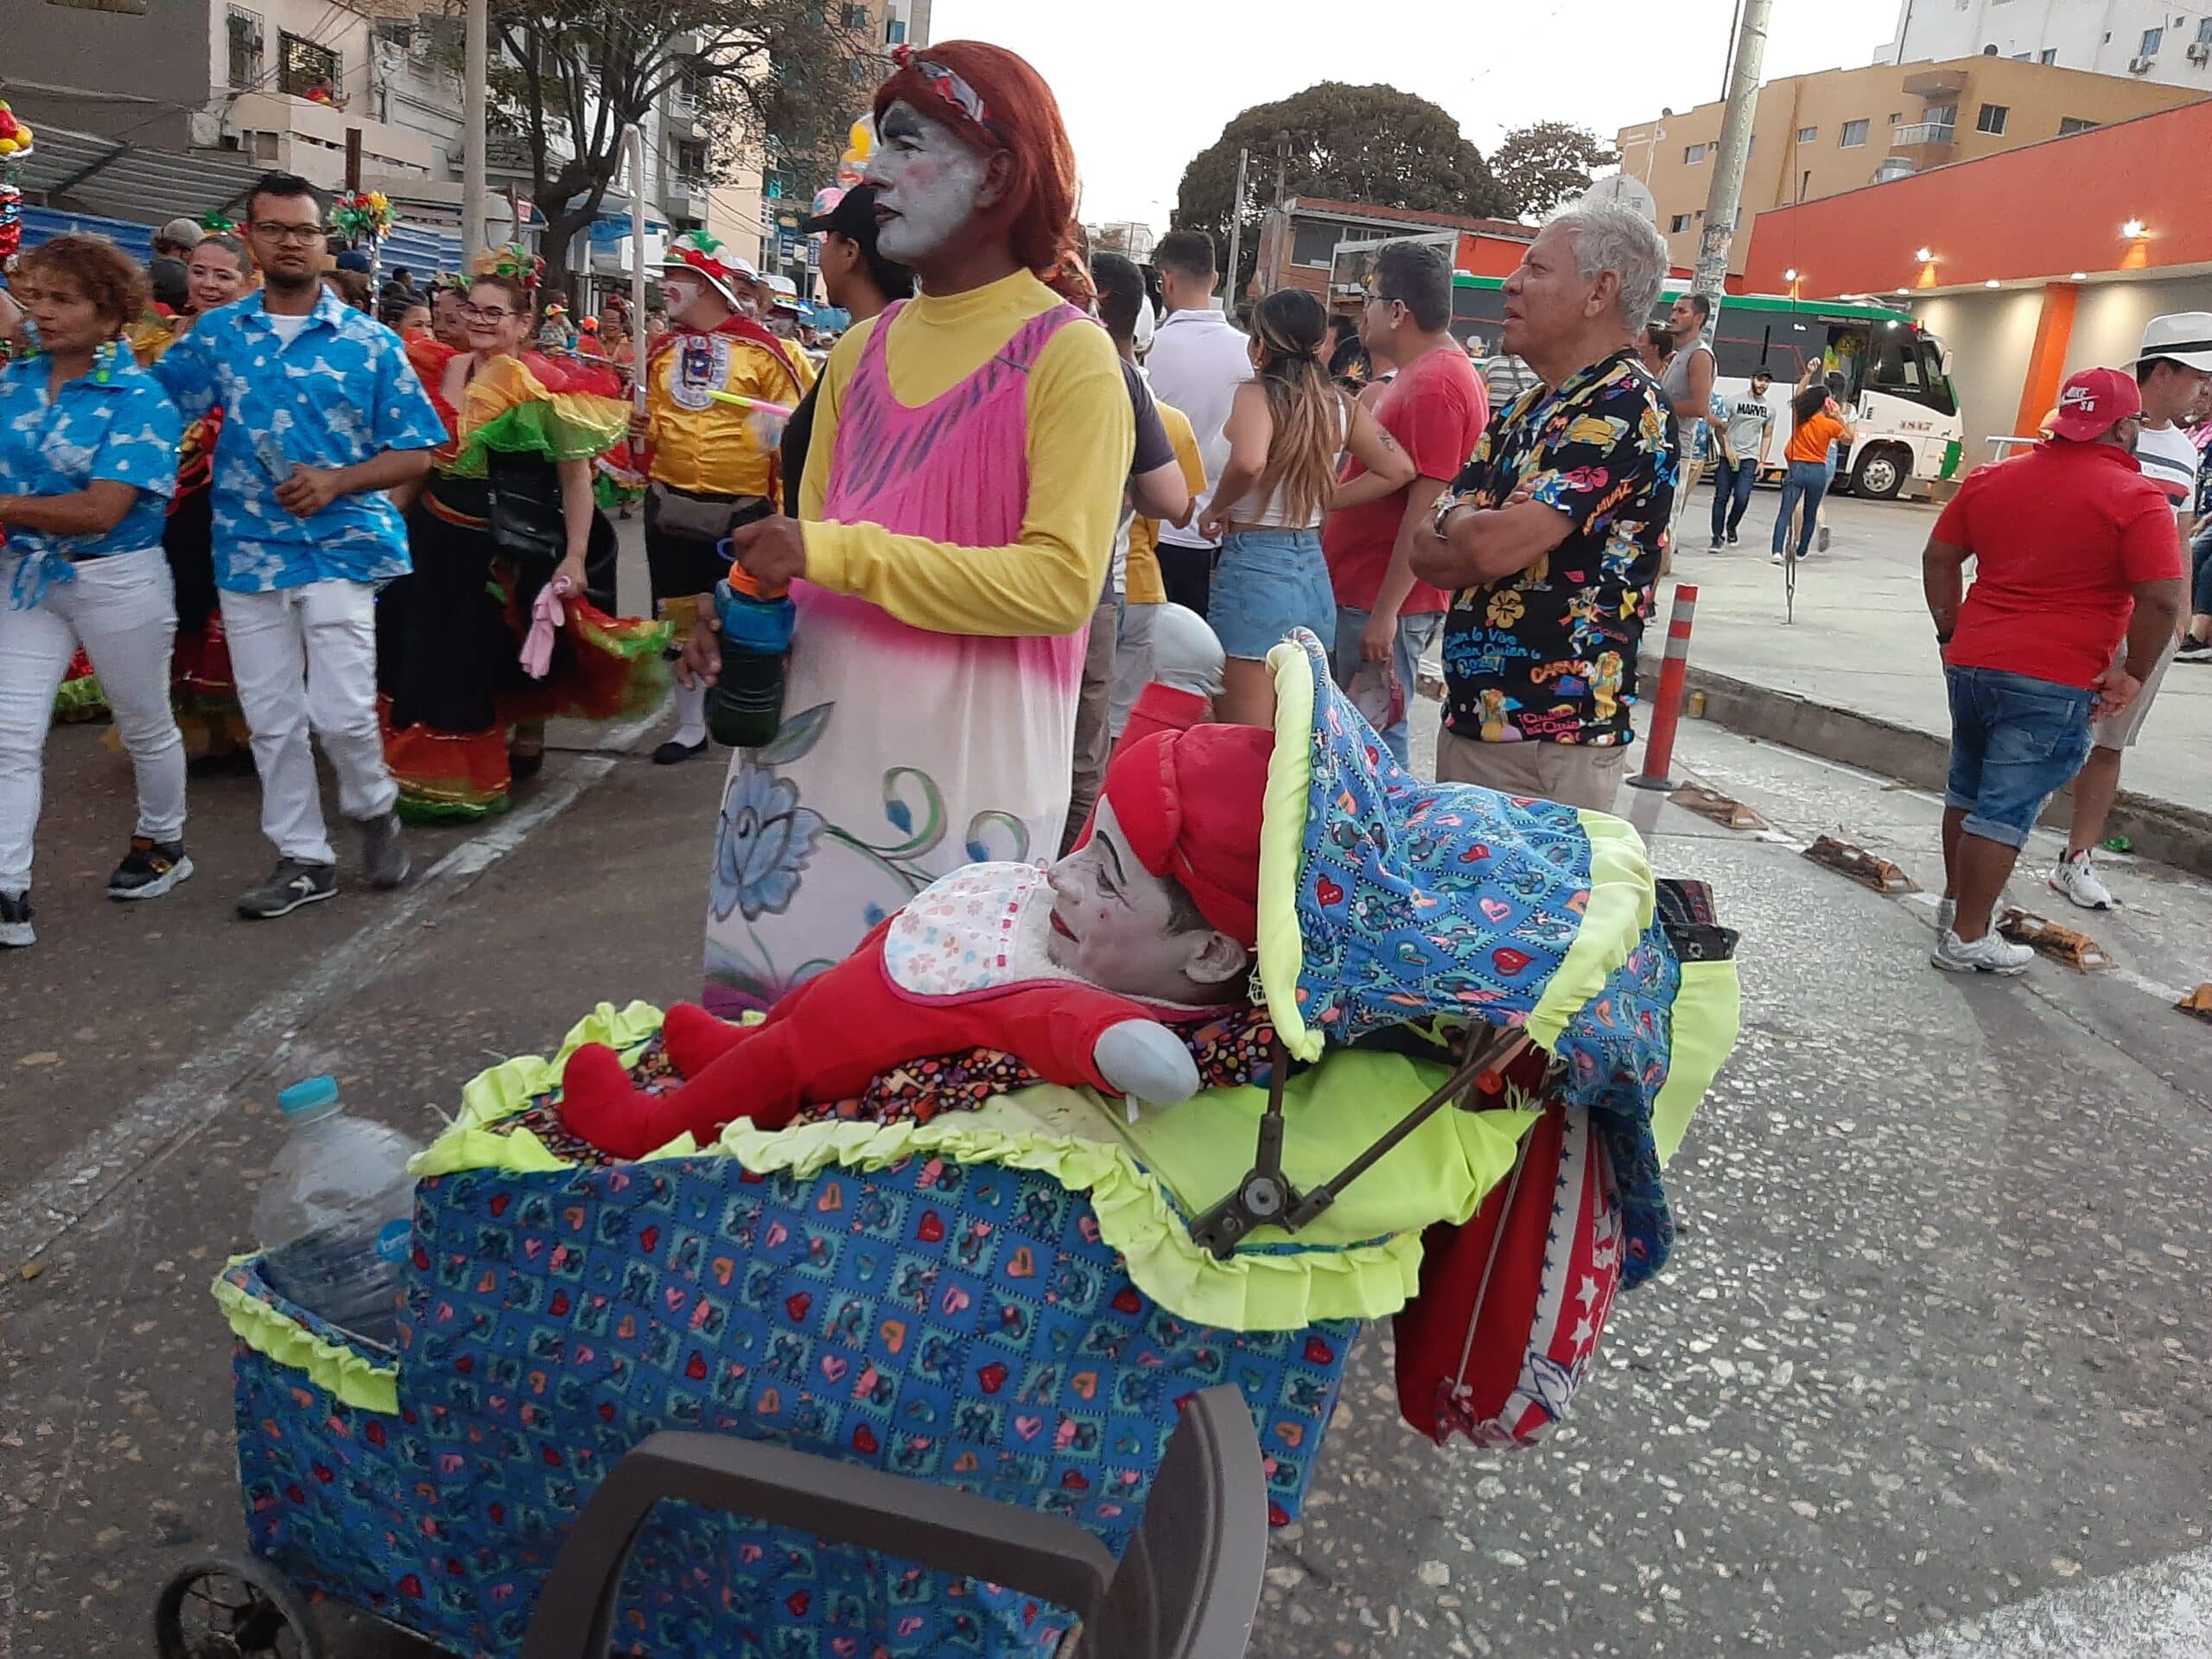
(1416, 897)
(1615, 1055)
(962, 1324)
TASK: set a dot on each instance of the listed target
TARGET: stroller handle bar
(1187, 1588)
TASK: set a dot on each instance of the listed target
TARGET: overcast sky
(1139, 109)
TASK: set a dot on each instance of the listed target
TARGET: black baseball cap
(853, 216)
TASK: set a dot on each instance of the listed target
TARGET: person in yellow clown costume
(713, 464)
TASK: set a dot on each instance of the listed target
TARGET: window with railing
(244, 29)
(689, 166)
(309, 68)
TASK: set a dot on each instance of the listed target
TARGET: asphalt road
(1930, 1372)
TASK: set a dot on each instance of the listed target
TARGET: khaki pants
(1093, 743)
(1579, 774)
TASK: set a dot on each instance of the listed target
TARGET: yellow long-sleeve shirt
(705, 446)
(1143, 585)
(1081, 436)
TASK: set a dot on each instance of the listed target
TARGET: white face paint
(926, 182)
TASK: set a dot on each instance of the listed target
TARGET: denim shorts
(1267, 583)
(2015, 743)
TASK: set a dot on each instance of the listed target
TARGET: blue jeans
(1266, 583)
(2201, 554)
(1806, 482)
(1415, 635)
(1731, 493)
(2015, 743)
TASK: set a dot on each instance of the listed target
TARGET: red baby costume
(962, 965)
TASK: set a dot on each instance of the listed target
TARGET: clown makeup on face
(1126, 931)
(692, 300)
(928, 183)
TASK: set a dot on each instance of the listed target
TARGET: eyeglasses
(298, 235)
(486, 313)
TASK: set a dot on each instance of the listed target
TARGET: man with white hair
(1550, 537)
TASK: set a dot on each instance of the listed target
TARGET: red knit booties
(598, 1104)
(694, 1040)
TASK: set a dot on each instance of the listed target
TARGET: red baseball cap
(2093, 402)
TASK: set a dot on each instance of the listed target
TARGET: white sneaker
(1987, 954)
(2074, 877)
(1947, 914)
(1774, 558)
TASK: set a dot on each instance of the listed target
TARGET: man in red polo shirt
(1436, 408)
(2074, 549)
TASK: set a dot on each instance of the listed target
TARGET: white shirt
(2169, 460)
(1195, 364)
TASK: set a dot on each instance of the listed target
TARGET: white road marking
(79, 1182)
(2161, 1610)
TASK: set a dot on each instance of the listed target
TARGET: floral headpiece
(514, 262)
(364, 214)
(947, 84)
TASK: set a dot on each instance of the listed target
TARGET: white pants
(122, 610)
(306, 657)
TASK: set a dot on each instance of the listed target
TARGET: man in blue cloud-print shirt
(322, 414)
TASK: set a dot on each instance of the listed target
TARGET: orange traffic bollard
(1667, 707)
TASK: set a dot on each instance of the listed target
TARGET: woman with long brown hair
(1287, 429)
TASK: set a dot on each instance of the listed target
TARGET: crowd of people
(1029, 482)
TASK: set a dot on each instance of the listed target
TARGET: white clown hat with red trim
(709, 256)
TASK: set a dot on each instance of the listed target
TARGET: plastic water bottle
(335, 1216)
(745, 707)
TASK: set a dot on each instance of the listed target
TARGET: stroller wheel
(222, 1607)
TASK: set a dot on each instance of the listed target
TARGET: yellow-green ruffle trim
(1708, 1007)
(1283, 844)
(350, 1378)
(1257, 1289)
(1618, 910)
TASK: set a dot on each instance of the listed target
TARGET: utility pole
(474, 140)
(1235, 235)
(1721, 201)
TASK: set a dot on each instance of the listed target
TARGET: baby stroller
(1020, 1299)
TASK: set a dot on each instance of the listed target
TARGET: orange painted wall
(2044, 211)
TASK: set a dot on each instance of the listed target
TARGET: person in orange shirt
(1815, 426)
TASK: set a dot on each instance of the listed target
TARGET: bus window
(1904, 365)
(1740, 351)
(1478, 308)
(1846, 356)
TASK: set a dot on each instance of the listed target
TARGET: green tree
(1373, 144)
(1547, 162)
(572, 75)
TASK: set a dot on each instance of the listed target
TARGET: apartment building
(1842, 128)
(2147, 40)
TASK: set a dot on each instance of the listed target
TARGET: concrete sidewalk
(1857, 676)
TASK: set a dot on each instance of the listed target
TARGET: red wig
(1018, 115)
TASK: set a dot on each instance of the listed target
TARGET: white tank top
(1273, 514)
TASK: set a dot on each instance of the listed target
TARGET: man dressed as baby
(1090, 973)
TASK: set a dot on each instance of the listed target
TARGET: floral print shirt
(340, 393)
(113, 423)
(1548, 654)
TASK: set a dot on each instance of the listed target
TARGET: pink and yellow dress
(960, 501)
